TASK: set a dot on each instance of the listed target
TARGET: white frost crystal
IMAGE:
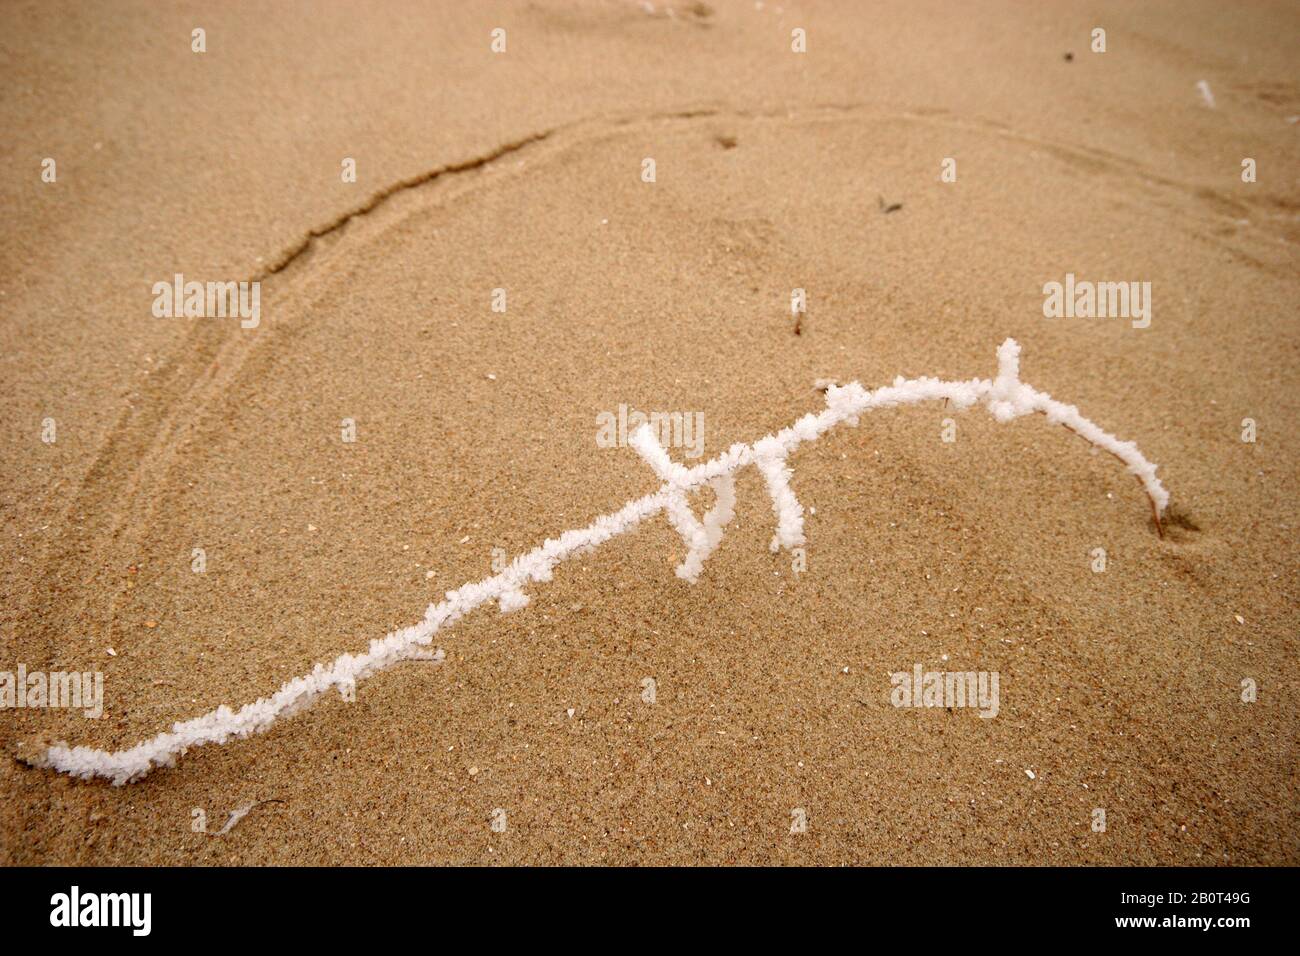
(1005, 396)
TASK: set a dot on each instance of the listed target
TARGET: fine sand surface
(477, 430)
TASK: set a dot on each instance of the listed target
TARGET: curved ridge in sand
(1005, 396)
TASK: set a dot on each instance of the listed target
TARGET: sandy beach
(200, 509)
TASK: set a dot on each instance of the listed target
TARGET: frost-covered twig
(700, 538)
(770, 456)
(1006, 397)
